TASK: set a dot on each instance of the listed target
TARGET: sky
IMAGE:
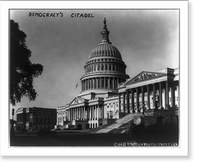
(148, 40)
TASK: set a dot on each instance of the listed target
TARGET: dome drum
(109, 83)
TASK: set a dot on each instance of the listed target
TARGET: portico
(149, 90)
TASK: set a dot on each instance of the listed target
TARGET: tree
(22, 71)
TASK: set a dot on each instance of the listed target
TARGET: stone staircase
(116, 125)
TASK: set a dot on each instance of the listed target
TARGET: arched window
(106, 53)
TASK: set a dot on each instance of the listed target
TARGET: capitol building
(108, 93)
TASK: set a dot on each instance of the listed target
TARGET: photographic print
(107, 77)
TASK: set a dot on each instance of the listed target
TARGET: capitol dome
(105, 50)
(105, 68)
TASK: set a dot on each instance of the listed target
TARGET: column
(104, 82)
(91, 83)
(128, 100)
(142, 94)
(95, 112)
(83, 116)
(82, 113)
(148, 97)
(97, 109)
(119, 102)
(91, 111)
(94, 116)
(109, 83)
(95, 83)
(124, 101)
(173, 95)
(137, 99)
(76, 111)
(69, 115)
(100, 82)
(72, 114)
(132, 101)
(88, 114)
(79, 113)
(75, 114)
(88, 111)
(117, 81)
(154, 97)
(160, 95)
(167, 95)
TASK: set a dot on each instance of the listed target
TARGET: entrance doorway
(79, 127)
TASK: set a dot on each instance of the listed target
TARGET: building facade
(107, 94)
(36, 118)
(155, 94)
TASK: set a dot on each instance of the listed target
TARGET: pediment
(77, 100)
(144, 76)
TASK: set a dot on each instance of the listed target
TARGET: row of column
(77, 113)
(101, 83)
(104, 67)
(157, 99)
(94, 112)
(81, 113)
